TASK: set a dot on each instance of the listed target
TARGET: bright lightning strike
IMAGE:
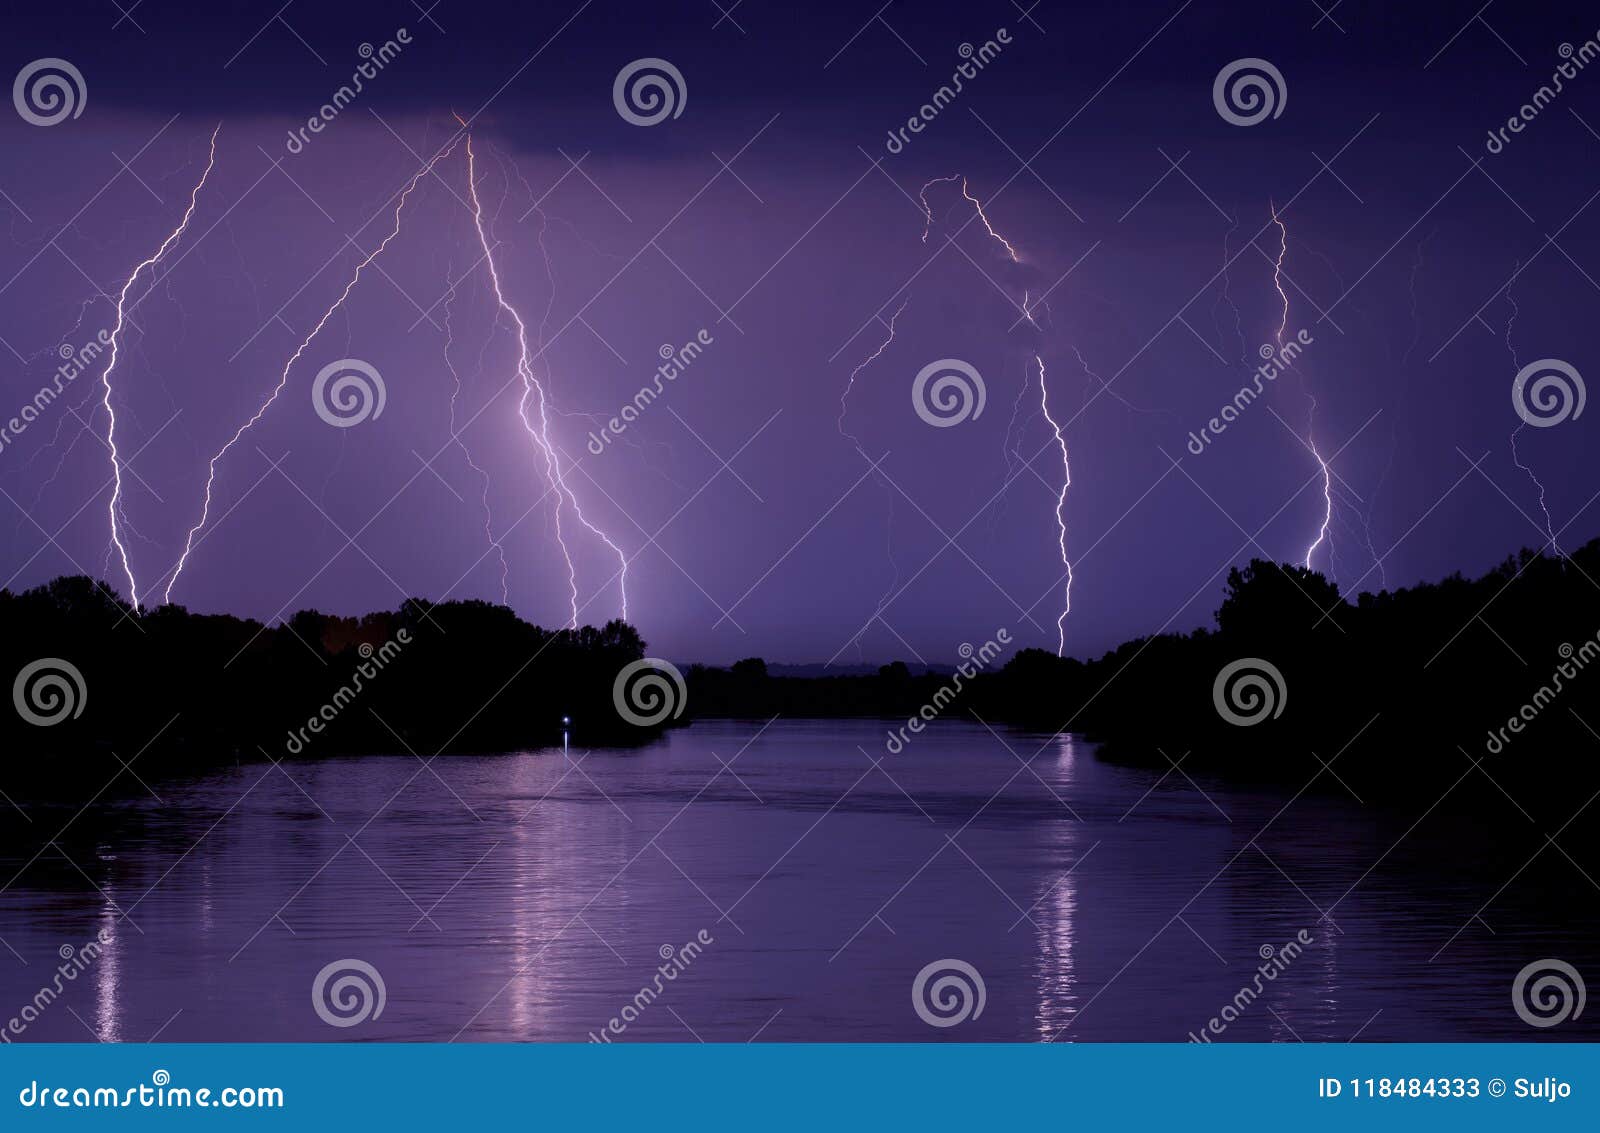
(283, 378)
(1044, 397)
(1061, 503)
(1311, 440)
(534, 393)
(115, 506)
(927, 210)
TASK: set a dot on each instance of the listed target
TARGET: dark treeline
(1400, 690)
(1400, 693)
(182, 690)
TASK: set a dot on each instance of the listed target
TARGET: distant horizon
(863, 667)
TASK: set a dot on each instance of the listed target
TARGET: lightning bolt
(1061, 503)
(1226, 295)
(115, 507)
(844, 408)
(1044, 398)
(283, 378)
(1311, 420)
(1011, 254)
(534, 394)
(1516, 457)
(977, 205)
(545, 221)
(844, 397)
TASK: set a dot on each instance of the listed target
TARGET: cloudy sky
(772, 217)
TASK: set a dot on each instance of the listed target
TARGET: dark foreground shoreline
(1399, 696)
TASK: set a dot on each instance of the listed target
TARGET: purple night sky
(1398, 260)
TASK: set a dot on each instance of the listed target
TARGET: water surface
(529, 896)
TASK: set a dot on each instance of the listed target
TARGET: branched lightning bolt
(115, 507)
(283, 378)
(546, 219)
(534, 393)
(1311, 421)
(1011, 254)
(1027, 309)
